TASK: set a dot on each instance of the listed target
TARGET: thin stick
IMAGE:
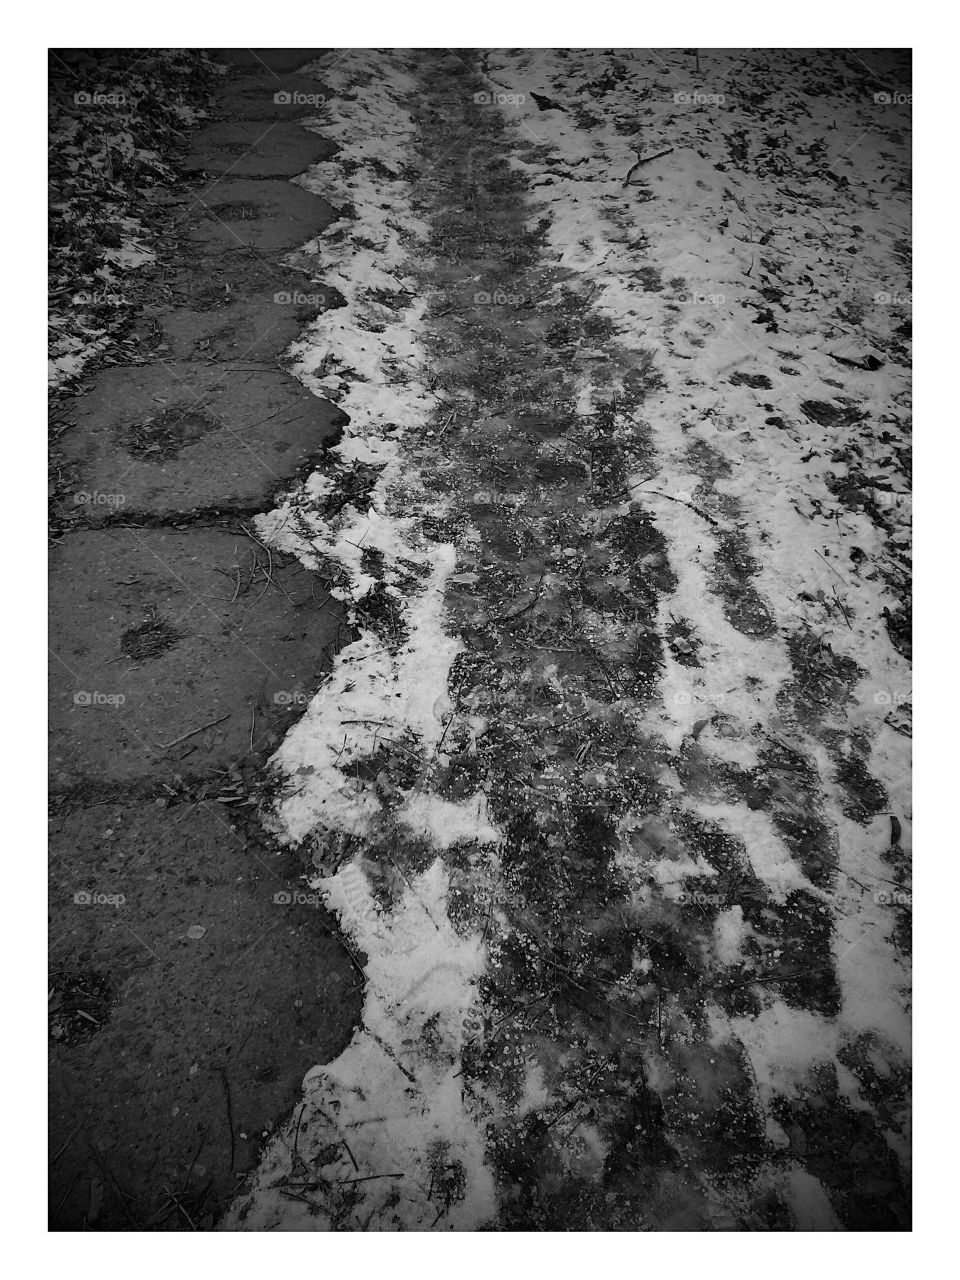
(193, 1162)
(66, 1144)
(63, 1201)
(372, 1177)
(842, 609)
(643, 160)
(295, 1195)
(296, 1133)
(226, 1094)
(183, 737)
(130, 1216)
(176, 1201)
(353, 1159)
(831, 568)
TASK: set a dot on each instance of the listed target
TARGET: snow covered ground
(611, 792)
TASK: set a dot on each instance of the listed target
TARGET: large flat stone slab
(267, 215)
(256, 149)
(256, 328)
(199, 985)
(216, 283)
(287, 96)
(155, 633)
(267, 61)
(178, 437)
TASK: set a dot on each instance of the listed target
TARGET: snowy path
(611, 791)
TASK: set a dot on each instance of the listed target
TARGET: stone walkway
(187, 999)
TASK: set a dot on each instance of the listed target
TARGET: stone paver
(156, 632)
(178, 437)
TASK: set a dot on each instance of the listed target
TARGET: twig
(176, 1201)
(269, 417)
(842, 609)
(295, 1195)
(66, 1144)
(641, 160)
(778, 977)
(165, 746)
(128, 1212)
(296, 1132)
(831, 568)
(372, 1177)
(509, 617)
(196, 1157)
(683, 502)
(353, 1160)
(226, 1094)
(63, 1200)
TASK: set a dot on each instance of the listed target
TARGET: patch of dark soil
(80, 1001)
(899, 622)
(864, 795)
(164, 436)
(233, 211)
(844, 1148)
(823, 680)
(787, 786)
(882, 1078)
(804, 972)
(707, 462)
(830, 415)
(720, 1129)
(641, 549)
(149, 639)
(743, 606)
(683, 643)
(755, 380)
(650, 278)
(790, 947)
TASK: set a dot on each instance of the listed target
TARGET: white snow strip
(388, 1115)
